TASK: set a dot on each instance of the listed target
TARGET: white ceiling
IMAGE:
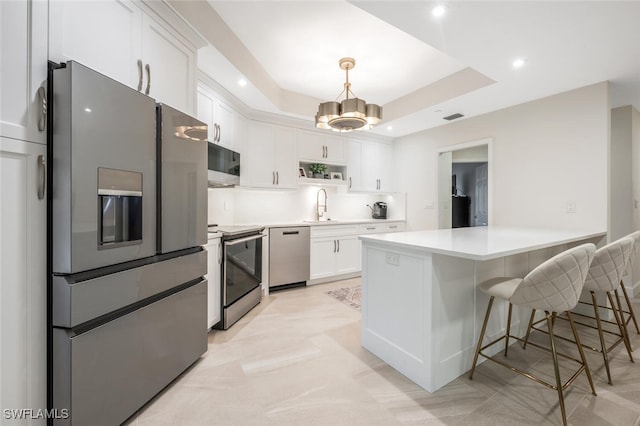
(418, 67)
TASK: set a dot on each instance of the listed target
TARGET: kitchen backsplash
(243, 205)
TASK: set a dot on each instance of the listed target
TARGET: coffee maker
(379, 210)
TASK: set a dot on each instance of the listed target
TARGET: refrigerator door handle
(43, 177)
(148, 69)
(42, 122)
(139, 75)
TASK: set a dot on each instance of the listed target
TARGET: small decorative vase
(318, 176)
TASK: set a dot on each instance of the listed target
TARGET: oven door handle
(243, 240)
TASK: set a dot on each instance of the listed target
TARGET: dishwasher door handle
(290, 232)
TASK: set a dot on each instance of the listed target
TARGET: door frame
(446, 184)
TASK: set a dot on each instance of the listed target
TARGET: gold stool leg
(621, 325)
(603, 345)
(506, 344)
(526, 337)
(584, 359)
(484, 329)
(626, 298)
(555, 366)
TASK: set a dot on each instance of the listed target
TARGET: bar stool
(605, 273)
(554, 287)
(635, 252)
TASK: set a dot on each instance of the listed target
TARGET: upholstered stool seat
(605, 276)
(635, 254)
(554, 287)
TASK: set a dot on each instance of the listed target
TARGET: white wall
(546, 153)
(259, 206)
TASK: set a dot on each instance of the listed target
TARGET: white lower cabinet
(213, 282)
(23, 288)
(336, 249)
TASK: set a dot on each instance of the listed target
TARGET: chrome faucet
(318, 205)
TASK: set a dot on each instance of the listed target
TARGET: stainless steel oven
(241, 271)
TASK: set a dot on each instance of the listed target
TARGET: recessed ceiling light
(389, 128)
(519, 63)
(438, 11)
(242, 82)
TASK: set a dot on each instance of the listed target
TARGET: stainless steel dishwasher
(288, 256)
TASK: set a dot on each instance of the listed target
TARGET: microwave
(224, 166)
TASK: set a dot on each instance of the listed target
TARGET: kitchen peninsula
(421, 311)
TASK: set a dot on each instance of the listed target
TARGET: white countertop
(482, 243)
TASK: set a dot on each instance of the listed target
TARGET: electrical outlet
(571, 207)
(393, 259)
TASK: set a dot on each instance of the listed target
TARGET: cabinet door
(225, 119)
(286, 156)
(322, 258)
(23, 68)
(354, 165)
(214, 301)
(311, 147)
(335, 148)
(259, 165)
(23, 305)
(348, 255)
(171, 61)
(385, 162)
(102, 35)
(205, 111)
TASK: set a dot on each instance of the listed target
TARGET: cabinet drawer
(333, 230)
(373, 228)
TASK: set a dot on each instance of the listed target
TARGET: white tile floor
(296, 359)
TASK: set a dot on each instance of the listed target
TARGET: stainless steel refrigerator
(128, 216)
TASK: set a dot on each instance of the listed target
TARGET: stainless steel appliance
(289, 256)
(128, 215)
(224, 166)
(241, 272)
(379, 210)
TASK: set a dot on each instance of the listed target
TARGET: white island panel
(421, 310)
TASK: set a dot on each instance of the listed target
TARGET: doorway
(464, 185)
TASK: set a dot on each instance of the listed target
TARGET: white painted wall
(545, 153)
(259, 206)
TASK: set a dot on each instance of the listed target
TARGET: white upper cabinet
(23, 69)
(271, 157)
(116, 38)
(219, 117)
(102, 35)
(369, 166)
(322, 147)
(169, 66)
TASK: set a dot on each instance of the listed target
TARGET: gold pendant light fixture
(350, 114)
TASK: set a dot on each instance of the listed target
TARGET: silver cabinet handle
(42, 121)
(219, 132)
(370, 228)
(349, 182)
(338, 246)
(148, 69)
(393, 226)
(220, 253)
(326, 149)
(215, 132)
(273, 178)
(139, 75)
(277, 177)
(335, 246)
(43, 177)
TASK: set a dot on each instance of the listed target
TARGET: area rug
(348, 295)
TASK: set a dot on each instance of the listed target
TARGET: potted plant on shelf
(317, 170)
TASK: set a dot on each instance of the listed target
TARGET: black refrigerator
(127, 217)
